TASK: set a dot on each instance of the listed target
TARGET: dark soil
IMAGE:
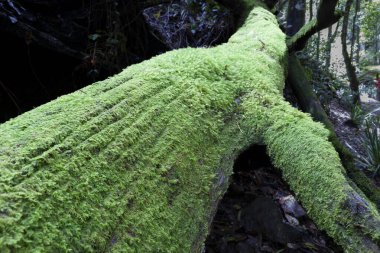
(259, 213)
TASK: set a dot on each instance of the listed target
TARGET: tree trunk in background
(282, 4)
(350, 68)
(354, 33)
(330, 41)
(318, 46)
(357, 54)
(311, 2)
(328, 48)
(296, 16)
(377, 48)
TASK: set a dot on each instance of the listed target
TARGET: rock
(290, 206)
(264, 216)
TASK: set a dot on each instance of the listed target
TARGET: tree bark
(350, 68)
(377, 48)
(296, 16)
(326, 16)
(357, 52)
(318, 46)
(138, 162)
(330, 41)
(355, 27)
(311, 2)
(328, 48)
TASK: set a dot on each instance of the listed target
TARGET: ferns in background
(371, 144)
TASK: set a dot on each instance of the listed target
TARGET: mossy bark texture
(138, 162)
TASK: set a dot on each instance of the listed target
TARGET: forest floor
(349, 134)
(371, 105)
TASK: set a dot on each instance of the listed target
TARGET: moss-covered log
(138, 162)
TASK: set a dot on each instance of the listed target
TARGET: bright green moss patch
(136, 163)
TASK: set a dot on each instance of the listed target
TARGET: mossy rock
(138, 162)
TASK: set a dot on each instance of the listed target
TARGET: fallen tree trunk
(138, 162)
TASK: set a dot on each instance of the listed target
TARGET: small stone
(290, 206)
(292, 221)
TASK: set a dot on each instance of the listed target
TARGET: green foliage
(357, 114)
(371, 143)
(345, 96)
(371, 20)
(309, 73)
(371, 29)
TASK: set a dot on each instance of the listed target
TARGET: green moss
(137, 163)
(307, 29)
(312, 167)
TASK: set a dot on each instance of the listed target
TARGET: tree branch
(326, 16)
